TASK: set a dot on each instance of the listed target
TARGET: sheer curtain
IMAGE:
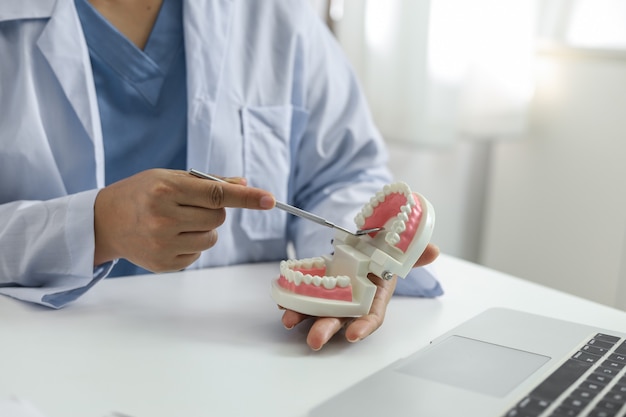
(435, 71)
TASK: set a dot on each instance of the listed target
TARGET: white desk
(210, 343)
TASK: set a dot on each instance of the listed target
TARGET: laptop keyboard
(592, 383)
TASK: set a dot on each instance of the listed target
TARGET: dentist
(104, 105)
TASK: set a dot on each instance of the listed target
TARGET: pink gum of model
(337, 285)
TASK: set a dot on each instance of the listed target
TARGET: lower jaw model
(337, 285)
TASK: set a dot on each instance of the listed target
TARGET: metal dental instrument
(296, 211)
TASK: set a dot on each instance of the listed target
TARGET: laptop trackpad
(474, 365)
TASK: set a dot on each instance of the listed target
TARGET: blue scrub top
(142, 97)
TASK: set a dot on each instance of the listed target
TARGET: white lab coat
(270, 97)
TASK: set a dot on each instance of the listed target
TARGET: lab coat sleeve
(341, 155)
(47, 248)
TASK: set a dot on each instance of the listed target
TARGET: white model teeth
(343, 281)
(392, 238)
(297, 277)
(398, 226)
(359, 220)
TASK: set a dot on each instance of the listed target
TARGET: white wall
(551, 207)
(556, 210)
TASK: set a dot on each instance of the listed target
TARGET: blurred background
(510, 117)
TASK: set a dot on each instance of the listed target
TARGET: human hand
(162, 219)
(324, 328)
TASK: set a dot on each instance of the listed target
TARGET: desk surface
(210, 342)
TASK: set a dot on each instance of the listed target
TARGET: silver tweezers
(296, 211)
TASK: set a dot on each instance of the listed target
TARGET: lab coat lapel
(26, 9)
(64, 47)
(207, 26)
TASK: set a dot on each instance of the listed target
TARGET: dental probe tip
(362, 232)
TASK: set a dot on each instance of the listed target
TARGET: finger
(428, 256)
(323, 330)
(363, 326)
(195, 242)
(173, 253)
(230, 180)
(197, 219)
(320, 332)
(213, 195)
(236, 180)
(292, 318)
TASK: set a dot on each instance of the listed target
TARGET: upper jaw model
(337, 285)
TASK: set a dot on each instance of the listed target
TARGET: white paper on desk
(15, 407)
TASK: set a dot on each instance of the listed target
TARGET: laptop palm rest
(474, 365)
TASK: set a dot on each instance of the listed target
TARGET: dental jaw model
(337, 285)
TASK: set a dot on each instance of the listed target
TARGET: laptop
(501, 363)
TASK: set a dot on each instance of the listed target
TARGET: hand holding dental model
(355, 329)
(338, 285)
